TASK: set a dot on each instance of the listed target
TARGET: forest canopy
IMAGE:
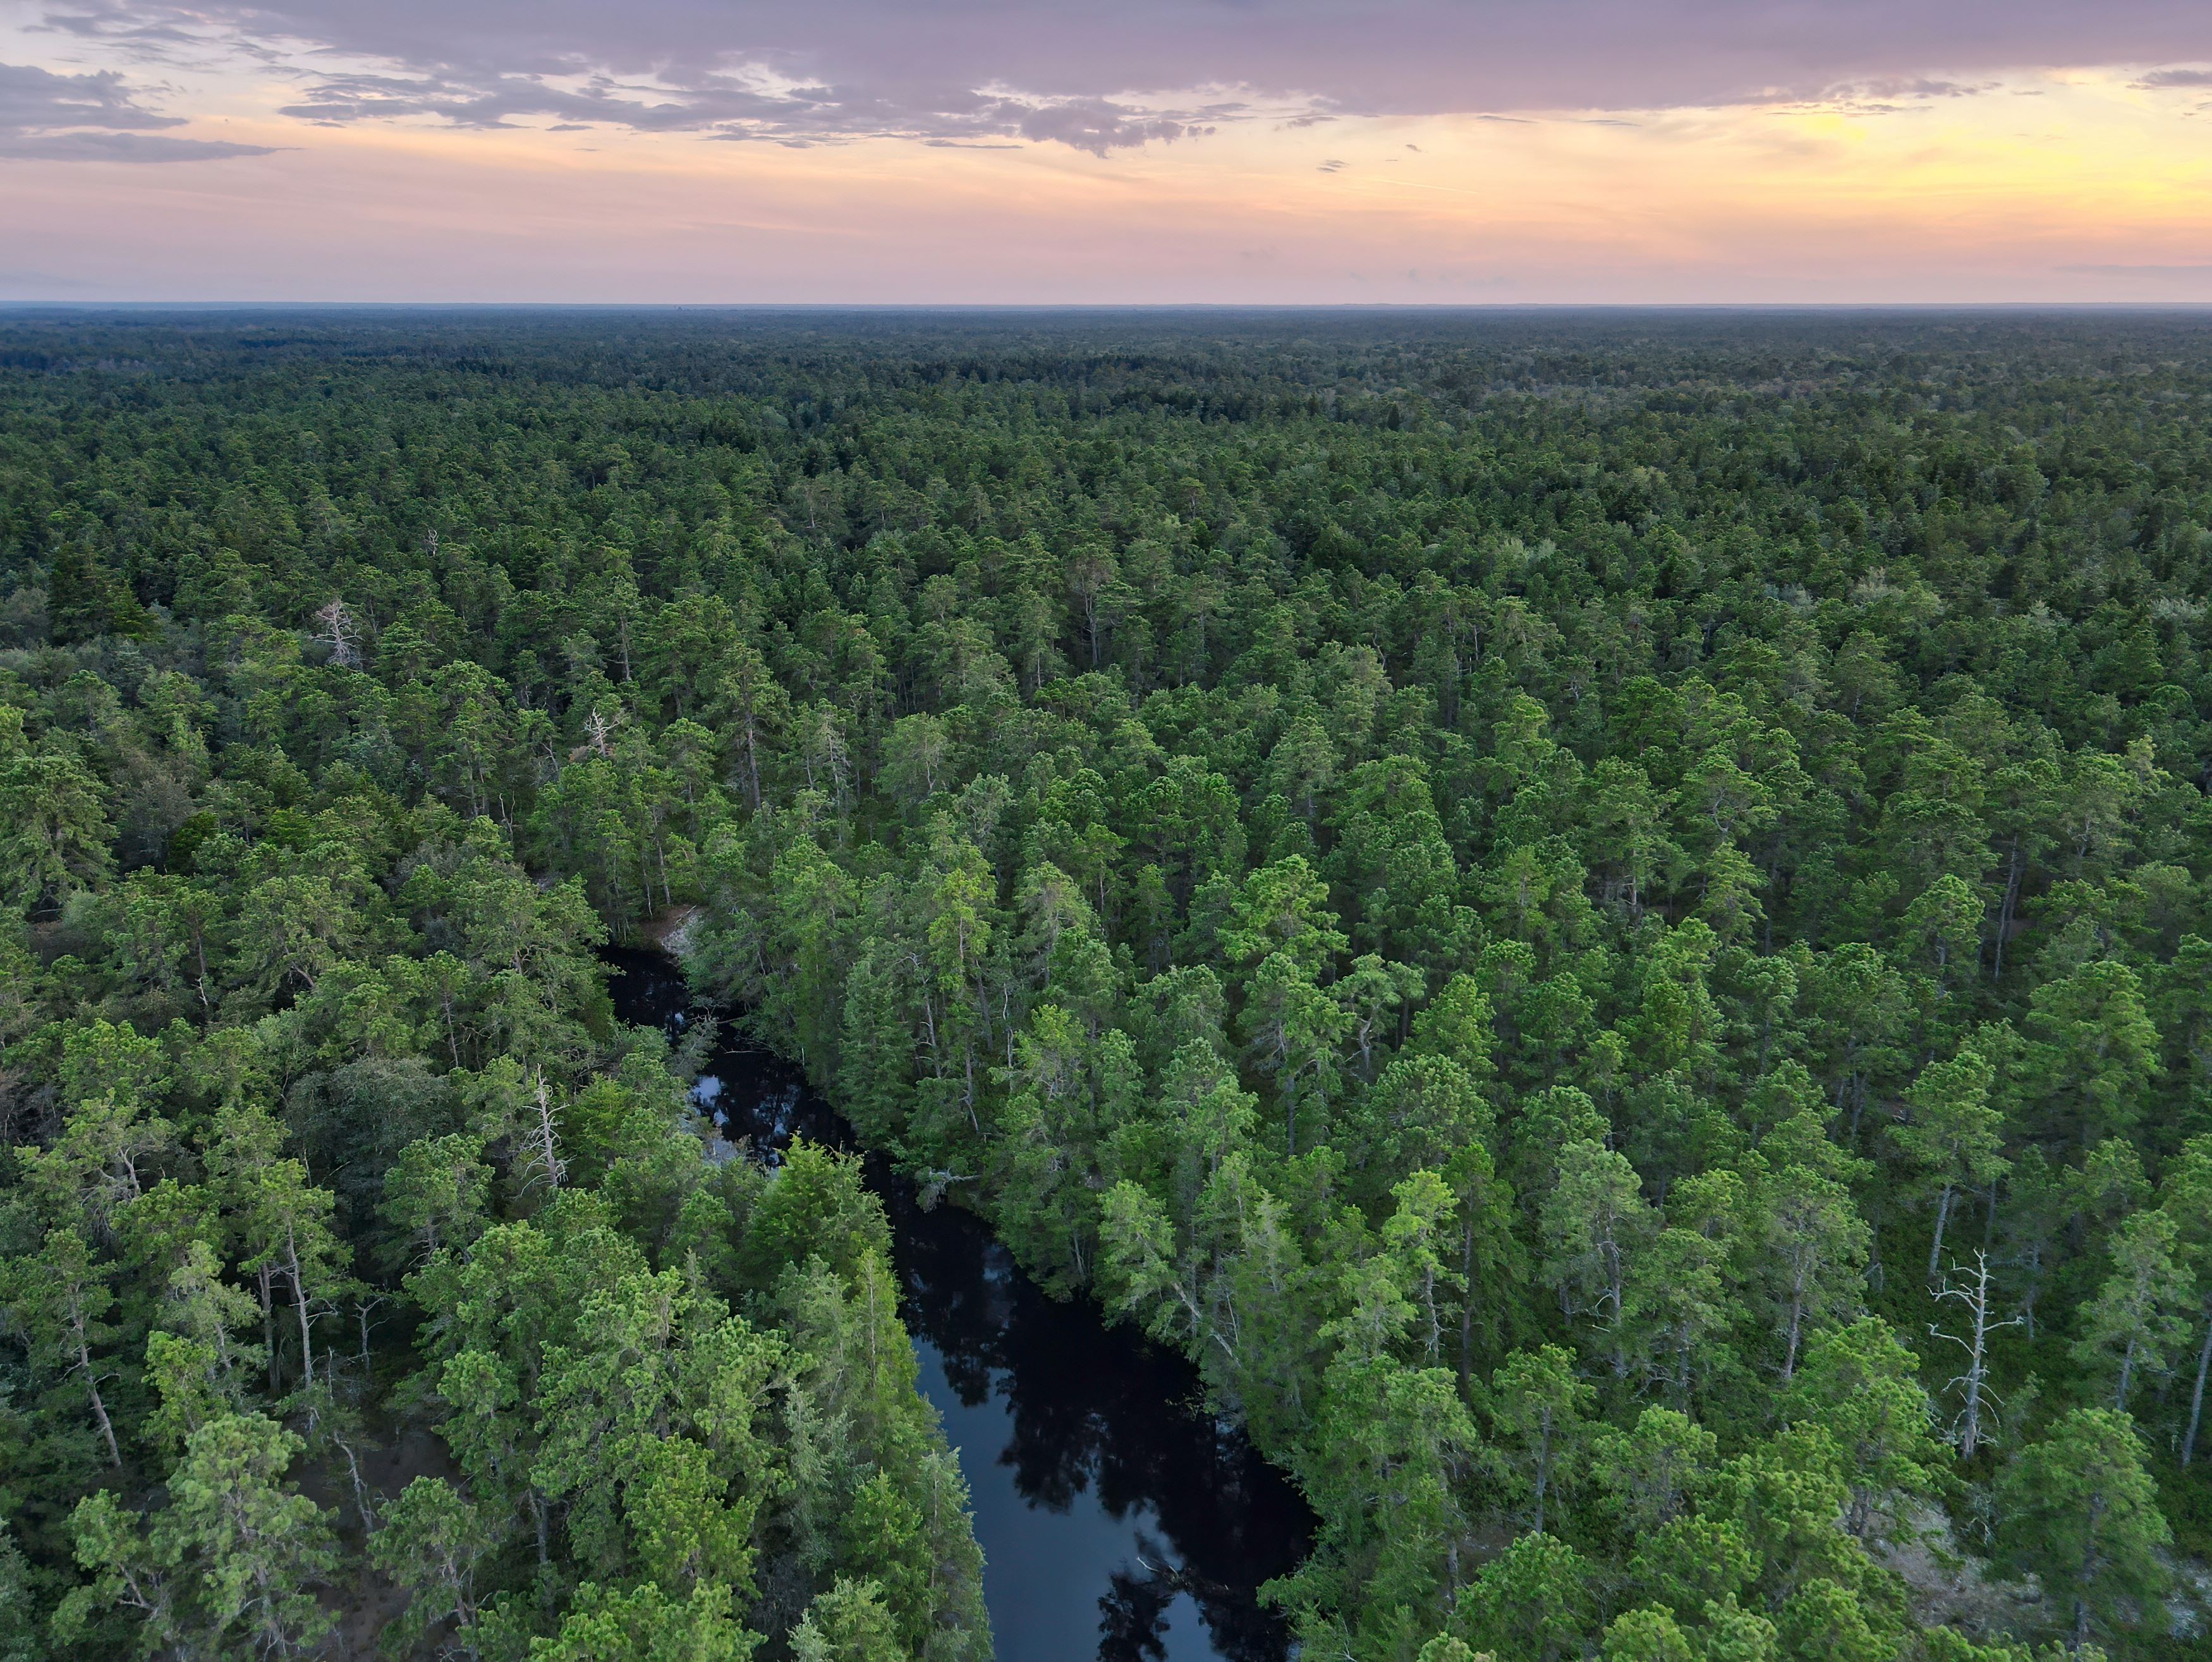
(1603, 917)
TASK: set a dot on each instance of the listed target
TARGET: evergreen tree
(2083, 1512)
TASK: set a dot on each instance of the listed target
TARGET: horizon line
(1073, 306)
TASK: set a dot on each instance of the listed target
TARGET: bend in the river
(1117, 1517)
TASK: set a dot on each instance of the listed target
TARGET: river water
(1118, 1519)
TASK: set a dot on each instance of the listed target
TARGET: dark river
(1118, 1519)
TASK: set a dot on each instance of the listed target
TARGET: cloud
(35, 101)
(1097, 126)
(1107, 79)
(123, 147)
(46, 117)
(1899, 89)
(744, 104)
(2181, 270)
(2177, 78)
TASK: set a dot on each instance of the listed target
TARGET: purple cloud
(44, 116)
(1059, 71)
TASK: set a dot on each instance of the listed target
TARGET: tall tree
(2081, 1512)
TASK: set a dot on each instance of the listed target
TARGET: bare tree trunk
(360, 1487)
(1942, 1216)
(262, 1280)
(368, 1368)
(1543, 1472)
(544, 1142)
(1974, 1294)
(1467, 1309)
(299, 1302)
(2196, 1397)
(2004, 912)
(92, 1387)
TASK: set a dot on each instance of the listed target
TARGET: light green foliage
(54, 834)
(2095, 1049)
(648, 1623)
(1535, 1601)
(1953, 1137)
(849, 1624)
(232, 1559)
(646, 1416)
(1651, 1473)
(1421, 1112)
(1537, 1415)
(1596, 1225)
(432, 1542)
(1734, 1634)
(2141, 1314)
(1646, 1636)
(20, 1639)
(1501, 887)
(59, 1299)
(1860, 1385)
(435, 1195)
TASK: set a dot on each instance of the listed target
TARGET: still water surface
(1118, 1519)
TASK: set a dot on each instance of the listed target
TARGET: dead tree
(542, 1140)
(1973, 1292)
(341, 633)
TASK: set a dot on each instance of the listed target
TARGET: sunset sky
(948, 151)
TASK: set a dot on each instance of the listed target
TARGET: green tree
(648, 1623)
(1953, 1137)
(1292, 1029)
(85, 599)
(1595, 1221)
(1650, 1474)
(849, 1624)
(2140, 1315)
(436, 1194)
(232, 1560)
(1944, 922)
(1538, 1414)
(2186, 1197)
(1649, 1635)
(1810, 1253)
(433, 1542)
(2095, 1048)
(54, 832)
(1534, 1600)
(62, 1295)
(1862, 1386)
(2082, 1513)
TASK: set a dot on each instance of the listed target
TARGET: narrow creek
(1118, 1519)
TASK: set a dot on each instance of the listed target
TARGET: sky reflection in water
(1117, 1518)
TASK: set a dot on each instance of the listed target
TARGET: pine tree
(2082, 1514)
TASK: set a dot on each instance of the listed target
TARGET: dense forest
(1604, 917)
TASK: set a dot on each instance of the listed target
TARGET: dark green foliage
(84, 600)
(1605, 918)
(354, 1259)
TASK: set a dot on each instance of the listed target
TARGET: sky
(955, 152)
